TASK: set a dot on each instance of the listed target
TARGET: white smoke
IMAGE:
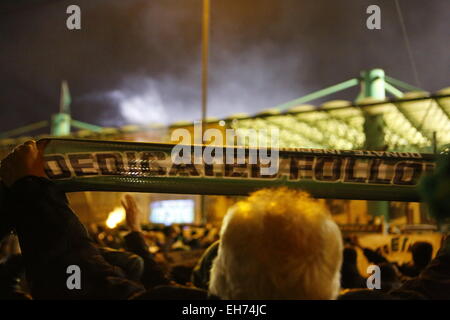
(246, 77)
(251, 81)
(140, 102)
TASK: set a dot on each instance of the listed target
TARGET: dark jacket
(201, 273)
(52, 239)
(434, 281)
(11, 272)
(130, 264)
(153, 275)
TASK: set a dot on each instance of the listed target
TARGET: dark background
(138, 61)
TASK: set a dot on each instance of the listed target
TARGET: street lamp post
(205, 58)
(205, 61)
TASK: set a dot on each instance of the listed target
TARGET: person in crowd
(211, 236)
(130, 264)
(152, 275)
(278, 244)
(201, 273)
(12, 270)
(350, 276)
(62, 241)
(390, 278)
(352, 279)
(421, 256)
(5, 222)
(181, 274)
(435, 188)
(433, 281)
(51, 237)
(191, 238)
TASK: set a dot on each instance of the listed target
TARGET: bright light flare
(115, 217)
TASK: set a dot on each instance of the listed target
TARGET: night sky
(138, 61)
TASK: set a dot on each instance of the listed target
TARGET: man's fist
(24, 160)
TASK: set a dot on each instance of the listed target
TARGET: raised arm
(153, 274)
(51, 236)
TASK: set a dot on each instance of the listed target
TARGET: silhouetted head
(389, 277)
(181, 274)
(350, 256)
(422, 253)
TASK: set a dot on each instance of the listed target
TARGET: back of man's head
(278, 244)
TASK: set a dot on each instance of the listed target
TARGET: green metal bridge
(411, 120)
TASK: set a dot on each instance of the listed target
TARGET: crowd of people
(176, 248)
(276, 244)
(160, 238)
(392, 274)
